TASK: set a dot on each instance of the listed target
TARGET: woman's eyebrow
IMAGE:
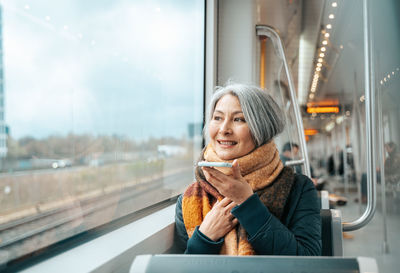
(235, 112)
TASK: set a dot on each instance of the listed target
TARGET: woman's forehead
(228, 101)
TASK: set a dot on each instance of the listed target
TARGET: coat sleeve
(198, 243)
(181, 236)
(268, 236)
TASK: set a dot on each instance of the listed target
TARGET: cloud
(96, 71)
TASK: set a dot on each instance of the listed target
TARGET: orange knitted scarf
(263, 170)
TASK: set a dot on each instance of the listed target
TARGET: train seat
(331, 232)
(222, 263)
(331, 228)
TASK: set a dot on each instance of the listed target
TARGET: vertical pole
(344, 156)
(381, 150)
(263, 43)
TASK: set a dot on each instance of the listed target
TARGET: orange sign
(321, 109)
(310, 132)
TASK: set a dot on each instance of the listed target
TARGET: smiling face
(229, 133)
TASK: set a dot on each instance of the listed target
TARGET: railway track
(82, 215)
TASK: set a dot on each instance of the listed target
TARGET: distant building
(3, 134)
(170, 150)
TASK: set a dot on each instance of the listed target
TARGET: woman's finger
(210, 173)
(234, 222)
(224, 202)
(230, 206)
(214, 172)
(212, 179)
(236, 169)
(206, 173)
(219, 176)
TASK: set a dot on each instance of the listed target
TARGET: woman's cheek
(212, 129)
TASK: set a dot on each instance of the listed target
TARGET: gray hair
(262, 113)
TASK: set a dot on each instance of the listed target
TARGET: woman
(258, 206)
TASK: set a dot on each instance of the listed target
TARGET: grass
(34, 188)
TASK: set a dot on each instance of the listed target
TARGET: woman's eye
(217, 118)
(240, 120)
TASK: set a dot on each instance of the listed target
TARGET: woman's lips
(226, 143)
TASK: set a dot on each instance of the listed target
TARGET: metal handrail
(294, 162)
(370, 128)
(270, 32)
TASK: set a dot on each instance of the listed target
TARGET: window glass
(102, 113)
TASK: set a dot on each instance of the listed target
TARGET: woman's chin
(225, 155)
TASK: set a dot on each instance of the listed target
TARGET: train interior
(102, 108)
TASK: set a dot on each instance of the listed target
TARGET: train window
(103, 111)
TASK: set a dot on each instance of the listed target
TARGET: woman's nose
(226, 128)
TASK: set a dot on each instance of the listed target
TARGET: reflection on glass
(101, 114)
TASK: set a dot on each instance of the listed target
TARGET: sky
(131, 68)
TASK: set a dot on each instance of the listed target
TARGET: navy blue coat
(299, 233)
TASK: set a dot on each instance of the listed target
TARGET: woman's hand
(219, 221)
(234, 187)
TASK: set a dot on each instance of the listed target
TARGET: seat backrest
(326, 232)
(331, 232)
